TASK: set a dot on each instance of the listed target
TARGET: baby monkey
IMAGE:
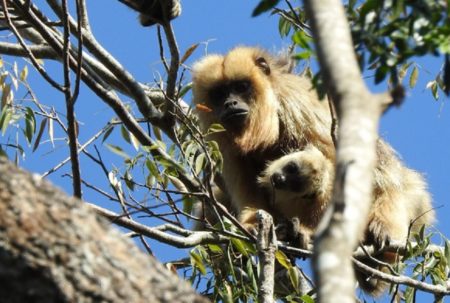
(299, 186)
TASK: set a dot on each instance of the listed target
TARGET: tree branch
(189, 239)
(267, 246)
(358, 113)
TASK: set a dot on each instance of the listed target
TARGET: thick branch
(55, 249)
(358, 113)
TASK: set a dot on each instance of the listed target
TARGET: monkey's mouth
(235, 116)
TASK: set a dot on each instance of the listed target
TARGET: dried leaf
(203, 108)
(189, 52)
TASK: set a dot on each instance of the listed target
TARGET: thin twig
(70, 103)
(29, 53)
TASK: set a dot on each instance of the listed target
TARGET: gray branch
(267, 246)
(358, 113)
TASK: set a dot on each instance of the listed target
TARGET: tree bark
(267, 246)
(53, 248)
(358, 114)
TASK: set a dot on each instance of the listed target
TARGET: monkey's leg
(389, 219)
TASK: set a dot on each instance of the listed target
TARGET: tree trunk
(53, 248)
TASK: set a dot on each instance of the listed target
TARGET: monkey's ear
(263, 65)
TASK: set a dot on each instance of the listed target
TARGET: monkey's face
(236, 91)
(299, 174)
(230, 103)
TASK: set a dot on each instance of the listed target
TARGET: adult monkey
(267, 112)
(278, 137)
(155, 11)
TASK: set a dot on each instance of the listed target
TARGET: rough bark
(267, 246)
(53, 248)
(358, 114)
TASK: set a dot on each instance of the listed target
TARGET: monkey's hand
(247, 217)
(294, 233)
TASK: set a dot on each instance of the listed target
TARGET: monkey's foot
(378, 233)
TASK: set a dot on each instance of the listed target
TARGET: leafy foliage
(387, 35)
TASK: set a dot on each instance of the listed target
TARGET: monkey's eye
(241, 87)
(291, 168)
(218, 94)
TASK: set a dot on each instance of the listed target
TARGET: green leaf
(30, 124)
(447, 251)
(434, 90)
(5, 117)
(152, 167)
(188, 204)
(214, 248)
(369, 6)
(413, 77)
(129, 180)
(6, 92)
(125, 134)
(264, 6)
(196, 261)
(240, 246)
(24, 73)
(380, 74)
(284, 27)
(117, 150)
(157, 133)
(307, 299)
(303, 55)
(134, 141)
(200, 163)
(251, 274)
(185, 90)
(177, 183)
(107, 133)
(40, 132)
(215, 128)
(283, 259)
(293, 276)
(302, 39)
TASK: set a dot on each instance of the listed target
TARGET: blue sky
(419, 130)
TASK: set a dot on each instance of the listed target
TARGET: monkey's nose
(278, 180)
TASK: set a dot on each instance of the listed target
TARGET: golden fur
(280, 120)
(288, 123)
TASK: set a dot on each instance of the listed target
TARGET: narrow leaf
(264, 6)
(107, 133)
(50, 131)
(189, 52)
(24, 73)
(283, 259)
(117, 150)
(413, 77)
(5, 95)
(125, 134)
(39, 135)
(4, 119)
